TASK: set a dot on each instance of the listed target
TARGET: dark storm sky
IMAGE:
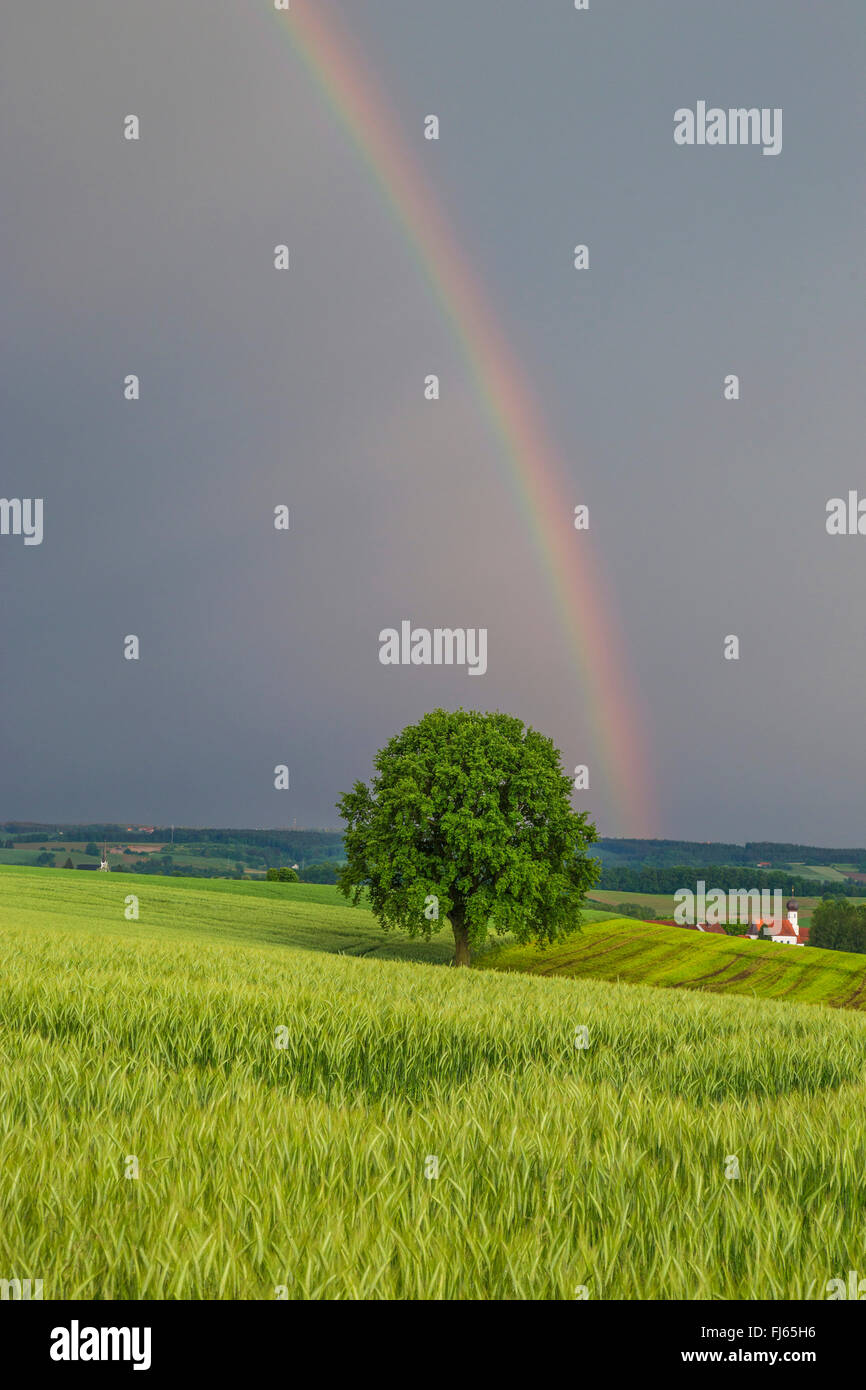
(259, 648)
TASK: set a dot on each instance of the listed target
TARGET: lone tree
(281, 876)
(468, 818)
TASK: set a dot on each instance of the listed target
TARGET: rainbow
(533, 466)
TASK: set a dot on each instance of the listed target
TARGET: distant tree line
(28, 833)
(669, 880)
(675, 853)
(313, 873)
(322, 846)
(156, 865)
(296, 844)
(327, 872)
(664, 853)
(164, 865)
(838, 925)
(806, 854)
(314, 846)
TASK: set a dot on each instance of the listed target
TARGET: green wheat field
(306, 1169)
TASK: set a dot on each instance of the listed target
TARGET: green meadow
(312, 916)
(630, 951)
(311, 1119)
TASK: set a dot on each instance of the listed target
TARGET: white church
(788, 932)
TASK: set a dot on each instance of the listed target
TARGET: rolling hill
(311, 916)
(633, 952)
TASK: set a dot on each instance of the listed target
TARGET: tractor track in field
(856, 999)
(713, 974)
(589, 956)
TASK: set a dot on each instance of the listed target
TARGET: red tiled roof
(801, 933)
(786, 928)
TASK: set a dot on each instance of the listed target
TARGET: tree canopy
(838, 925)
(283, 875)
(468, 819)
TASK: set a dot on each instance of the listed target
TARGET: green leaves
(472, 810)
(840, 925)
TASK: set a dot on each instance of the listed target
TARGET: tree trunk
(461, 939)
